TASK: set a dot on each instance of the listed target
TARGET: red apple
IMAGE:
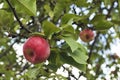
(36, 49)
(87, 35)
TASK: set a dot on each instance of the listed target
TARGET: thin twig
(80, 74)
(70, 74)
(109, 10)
(17, 18)
(92, 46)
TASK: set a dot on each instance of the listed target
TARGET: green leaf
(107, 2)
(69, 60)
(49, 11)
(117, 22)
(100, 23)
(70, 18)
(3, 41)
(60, 7)
(52, 66)
(12, 57)
(6, 69)
(67, 28)
(98, 18)
(81, 3)
(119, 4)
(32, 73)
(67, 17)
(49, 28)
(71, 42)
(58, 10)
(6, 19)
(1, 78)
(25, 6)
(94, 56)
(78, 52)
(54, 60)
(37, 34)
(79, 55)
(68, 31)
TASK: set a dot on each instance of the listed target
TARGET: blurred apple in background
(87, 35)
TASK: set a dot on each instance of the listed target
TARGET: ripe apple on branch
(36, 49)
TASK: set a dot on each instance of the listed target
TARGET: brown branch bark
(70, 74)
(17, 18)
(110, 10)
(92, 46)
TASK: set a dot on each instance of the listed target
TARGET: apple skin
(87, 35)
(36, 49)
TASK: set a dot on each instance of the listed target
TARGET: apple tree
(76, 39)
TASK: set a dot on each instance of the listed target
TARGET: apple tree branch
(17, 18)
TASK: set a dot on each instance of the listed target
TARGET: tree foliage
(60, 22)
